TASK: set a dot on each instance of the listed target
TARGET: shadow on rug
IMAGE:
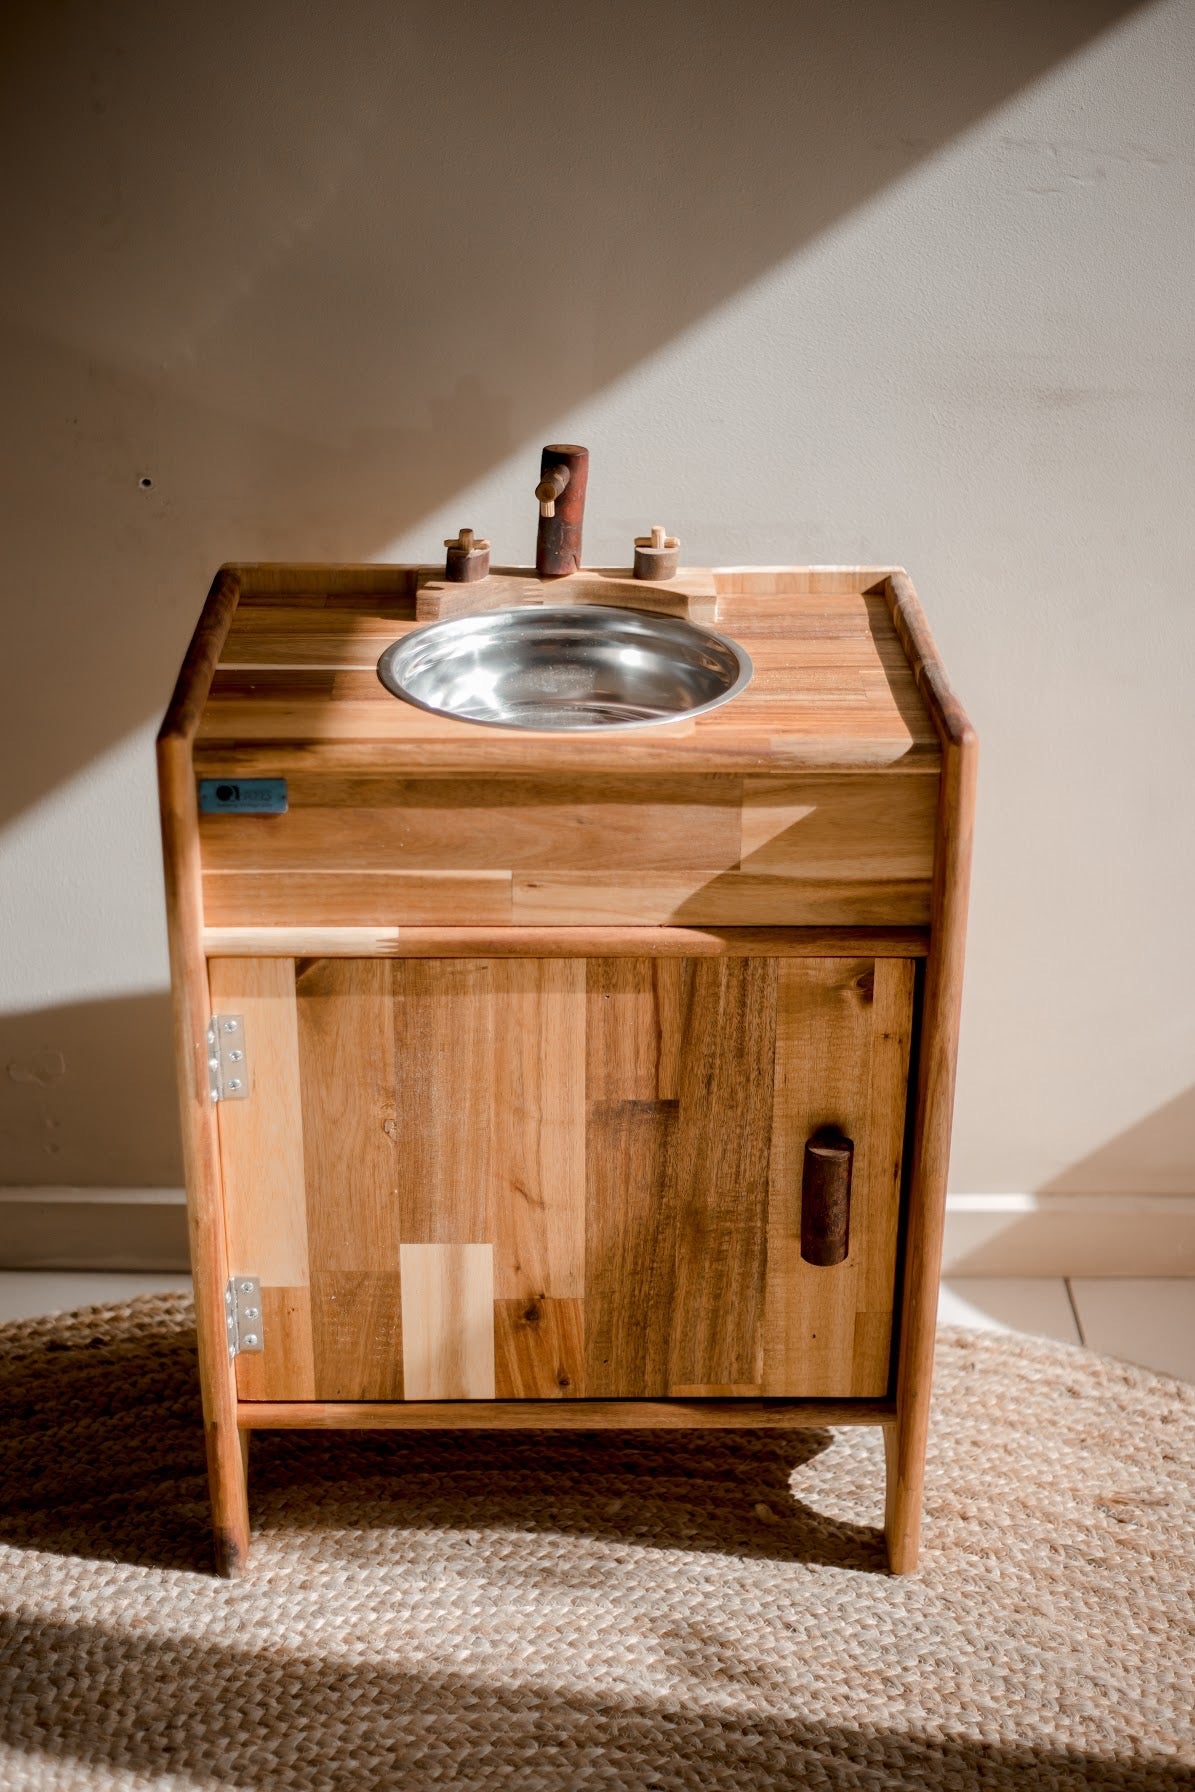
(634, 1610)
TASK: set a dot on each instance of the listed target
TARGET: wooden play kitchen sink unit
(566, 1076)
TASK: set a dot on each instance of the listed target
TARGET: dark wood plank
(570, 1415)
(539, 1349)
(630, 1246)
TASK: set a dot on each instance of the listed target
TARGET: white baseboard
(1069, 1235)
(986, 1235)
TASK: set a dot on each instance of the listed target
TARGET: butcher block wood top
(810, 800)
(295, 686)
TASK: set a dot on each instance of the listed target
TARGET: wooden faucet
(563, 477)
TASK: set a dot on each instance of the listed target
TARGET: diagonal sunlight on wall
(65, 886)
(313, 280)
(960, 345)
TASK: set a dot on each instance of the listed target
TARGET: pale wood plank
(796, 581)
(355, 898)
(448, 1321)
(285, 1369)
(261, 1139)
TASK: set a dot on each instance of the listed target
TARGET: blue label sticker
(242, 796)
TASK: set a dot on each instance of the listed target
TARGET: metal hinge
(242, 1315)
(227, 1062)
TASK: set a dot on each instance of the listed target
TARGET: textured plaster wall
(857, 282)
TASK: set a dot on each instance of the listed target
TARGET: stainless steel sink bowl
(567, 668)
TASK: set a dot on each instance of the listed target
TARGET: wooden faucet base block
(544, 1037)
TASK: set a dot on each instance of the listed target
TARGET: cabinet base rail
(568, 1415)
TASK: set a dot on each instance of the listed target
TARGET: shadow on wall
(310, 272)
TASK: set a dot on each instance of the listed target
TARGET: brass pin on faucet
(467, 559)
(550, 488)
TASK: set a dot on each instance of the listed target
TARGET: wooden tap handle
(552, 484)
(826, 1197)
(550, 488)
(467, 559)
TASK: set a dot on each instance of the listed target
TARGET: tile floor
(1147, 1321)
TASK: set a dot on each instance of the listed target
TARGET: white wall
(867, 282)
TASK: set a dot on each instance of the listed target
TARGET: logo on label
(242, 796)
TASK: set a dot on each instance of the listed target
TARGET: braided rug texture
(546, 1611)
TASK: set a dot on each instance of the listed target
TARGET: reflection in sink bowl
(567, 668)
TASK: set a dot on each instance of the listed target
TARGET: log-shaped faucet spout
(563, 477)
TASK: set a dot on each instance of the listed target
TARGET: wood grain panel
(539, 1349)
(356, 1323)
(538, 1178)
(448, 1321)
(697, 899)
(562, 1415)
(839, 1022)
(352, 1163)
(445, 1053)
(190, 1008)
(879, 1214)
(721, 1176)
(355, 898)
(630, 1245)
(261, 1138)
(845, 829)
(285, 1369)
(612, 1146)
(634, 1020)
(567, 942)
(492, 824)
(832, 689)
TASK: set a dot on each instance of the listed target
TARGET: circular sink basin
(568, 668)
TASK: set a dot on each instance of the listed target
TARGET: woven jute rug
(543, 1611)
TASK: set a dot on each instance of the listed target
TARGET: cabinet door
(559, 1178)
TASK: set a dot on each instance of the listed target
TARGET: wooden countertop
(295, 685)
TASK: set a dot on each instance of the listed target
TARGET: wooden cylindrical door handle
(826, 1197)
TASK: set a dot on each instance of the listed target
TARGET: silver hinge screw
(242, 1314)
(227, 1061)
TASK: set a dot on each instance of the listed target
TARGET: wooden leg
(228, 1479)
(904, 1455)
